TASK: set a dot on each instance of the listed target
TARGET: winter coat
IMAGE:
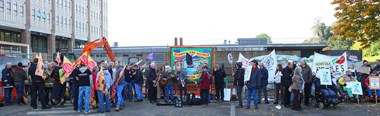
(205, 80)
(297, 82)
(287, 75)
(307, 74)
(219, 75)
(264, 76)
(20, 75)
(138, 77)
(32, 71)
(151, 75)
(116, 79)
(239, 76)
(6, 76)
(255, 79)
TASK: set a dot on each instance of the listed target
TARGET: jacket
(151, 75)
(297, 82)
(239, 76)
(128, 75)
(264, 76)
(20, 75)
(205, 80)
(376, 68)
(255, 79)
(116, 79)
(219, 75)
(138, 77)
(287, 75)
(6, 76)
(181, 76)
(110, 70)
(84, 77)
(55, 74)
(307, 74)
(167, 75)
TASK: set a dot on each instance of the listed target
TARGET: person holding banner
(239, 82)
(138, 79)
(103, 93)
(119, 81)
(369, 91)
(37, 86)
(286, 81)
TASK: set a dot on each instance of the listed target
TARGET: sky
(200, 22)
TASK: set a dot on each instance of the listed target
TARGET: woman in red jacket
(204, 85)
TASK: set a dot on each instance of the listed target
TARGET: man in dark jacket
(151, 78)
(169, 77)
(264, 83)
(286, 81)
(37, 85)
(307, 76)
(128, 82)
(239, 82)
(138, 78)
(58, 89)
(7, 82)
(219, 75)
(19, 79)
(253, 85)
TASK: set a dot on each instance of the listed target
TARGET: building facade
(29, 27)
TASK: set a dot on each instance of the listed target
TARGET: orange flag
(83, 58)
(66, 67)
(40, 68)
(91, 63)
(101, 83)
(58, 58)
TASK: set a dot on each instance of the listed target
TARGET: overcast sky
(157, 22)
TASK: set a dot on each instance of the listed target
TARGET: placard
(356, 88)
(364, 69)
(325, 76)
(227, 94)
(374, 82)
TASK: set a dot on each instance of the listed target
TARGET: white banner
(324, 76)
(270, 63)
(337, 64)
(247, 73)
(243, 60)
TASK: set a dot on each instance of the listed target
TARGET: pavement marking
(50, 112)
(232, 111)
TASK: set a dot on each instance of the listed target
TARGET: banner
(91, 63)
(243, 60)
(40, 68)
(337, 64)
(356, 88)
(247, 73)
(270, 63)
(191, 60)
(230, 58)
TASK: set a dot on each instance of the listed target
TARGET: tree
(337, 44)
(321, 31)
(264, 35)
(358, 19)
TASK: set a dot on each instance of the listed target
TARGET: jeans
(204, 96)
(219, 88)
(169, 88)
(75, 94)
(120, 101)
(252, 93)
(239, 89)
(101, 98)
(19, 88)
(128, 87)
(278, 88)
(8, 93)
(370, 92)
(329, 92)
(138, 91)
(263, 89)
(86, 90)
(181, 90)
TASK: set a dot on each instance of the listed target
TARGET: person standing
(128, 82)
(119, 81)
(58, 90)
(103, 93)
(286, 81)
(75, 85)
(277, 83)
(19, 79)
(253, 85)
(307, 75)
(239, 82)
(38, 85)
(204, 85)
(377, 67)
(138, 79)
(160, 74)
(151, 76)
(169, 77)
(219, 75)
(181, 78)
(264, 83)
(7, 83)
(297, 82)
(84, 82)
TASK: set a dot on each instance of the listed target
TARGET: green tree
(264, 35)
(358, 19)
(321, 31)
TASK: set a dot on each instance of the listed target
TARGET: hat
(19, 64)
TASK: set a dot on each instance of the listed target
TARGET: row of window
(61, 44)
(63, 3)
(18, 8)
(64, 22)
(41, 14)
(81, 26)
(10, 36)
(39, 44)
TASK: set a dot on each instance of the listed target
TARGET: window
(61, 20)
(2, 36)
(7, 36)
(48, 17)
(83, 27)
(79, 26)
(8, 7)
(15, 8)
(65, 21)
(69, 23)
(39, 14)
(44, 15)
(57, 20)
(1, 6)
(61, 3)
(33, 13)
(39, 44)
(22, 9)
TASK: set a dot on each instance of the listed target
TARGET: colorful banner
(270, 63)
(337, 64)
(40, 67)
(193, 62)
(91, 63)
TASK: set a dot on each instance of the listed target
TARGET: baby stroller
(320, 99)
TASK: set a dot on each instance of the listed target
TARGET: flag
(118, 79)
(91, 63)
(149, 57)
(84, 58)
(243, 60)
(40, 68)
(66, 67)
(270, 63)
(58, 58)
(189, 59)
(101, 84)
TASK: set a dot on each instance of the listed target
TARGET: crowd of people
(110, 84)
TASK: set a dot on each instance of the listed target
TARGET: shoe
(275, 103)
(307, 104)
(247, 108)
(87, 112)
(121, 107)
(117, 109)
(266, 102)
(256, 107)
(34, 108)
(239, 106)
(259, 103)
(286, 106)
(99, 111)
(108, 111)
